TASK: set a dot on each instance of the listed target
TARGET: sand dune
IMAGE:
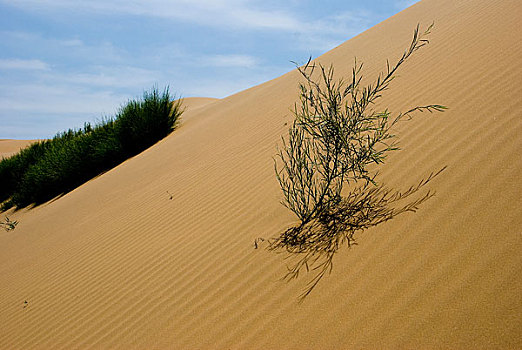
(117, 264)
(196, 102)
(10, 147)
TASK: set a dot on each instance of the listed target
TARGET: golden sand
(117, 264)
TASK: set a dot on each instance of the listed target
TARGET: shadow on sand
(315, 243)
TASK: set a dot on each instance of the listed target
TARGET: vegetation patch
(56, 166)
(323, 166)
(8, 224)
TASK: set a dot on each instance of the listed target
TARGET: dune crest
(10, 147)
(159, 252)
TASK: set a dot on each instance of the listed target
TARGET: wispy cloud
(20, 64)
(56, 99)
(96, 57)
(105, 76)
(85, 81)
(325, 33)
(231, 13)
(222, 14)
(237, 61)
(63, 48)
(40, 110)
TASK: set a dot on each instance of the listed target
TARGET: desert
(159, 252)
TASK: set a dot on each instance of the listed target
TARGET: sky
(66, 62)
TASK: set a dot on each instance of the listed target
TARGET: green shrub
(54, 167)
(323, 167)
(13, 168)
(141, 123)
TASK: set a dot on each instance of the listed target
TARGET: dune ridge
(117, 264)
(9, 147)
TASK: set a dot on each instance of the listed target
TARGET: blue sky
(65, 62)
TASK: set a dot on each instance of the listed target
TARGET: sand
(117, 264)
(10, 147)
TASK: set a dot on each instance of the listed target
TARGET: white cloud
(64, 48)
(248, 14)
(40, 110)
(230, 13)
(114, 76)
(90, 77)
(56, 99)
(320, 33)
(238, 61)
(275, 20)
(324, 34)
(19, 64)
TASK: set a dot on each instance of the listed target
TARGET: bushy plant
(13, 168)
(53, 167)
(142, 123)
(323, 166)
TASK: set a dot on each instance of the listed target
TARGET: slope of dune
(194, 103)
(10, 147)
(119, 264)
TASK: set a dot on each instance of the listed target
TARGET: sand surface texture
(10, 147)
(117, 264)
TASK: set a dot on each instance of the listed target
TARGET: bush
(142, 123)
(13, 168)
(323, 166)
(50, 168)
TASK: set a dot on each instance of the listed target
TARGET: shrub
(53, 167)
(323, 165)
(13, 168)
(142, 123)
